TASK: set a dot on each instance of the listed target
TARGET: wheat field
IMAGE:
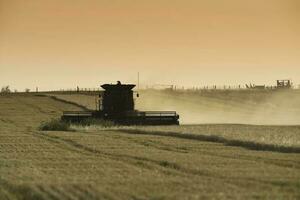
(141, 162)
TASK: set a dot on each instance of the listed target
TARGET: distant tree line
(5, 89)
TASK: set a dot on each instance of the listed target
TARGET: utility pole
(138, 81)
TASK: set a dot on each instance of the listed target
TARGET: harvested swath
(69, 102)
(269, 138)
(219, 139)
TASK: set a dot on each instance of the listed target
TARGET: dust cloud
(265, 107)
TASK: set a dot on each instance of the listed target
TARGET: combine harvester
(116, 103)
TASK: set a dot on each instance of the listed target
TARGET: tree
(27, 90)
(5, 89)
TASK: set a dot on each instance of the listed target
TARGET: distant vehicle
(284, 84)
(116, 103)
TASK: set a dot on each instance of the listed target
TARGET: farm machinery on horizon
(116, 103)
(280, 84)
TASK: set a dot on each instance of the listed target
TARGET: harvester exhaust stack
(117, 105)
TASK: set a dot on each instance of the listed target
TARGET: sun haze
(55, 44)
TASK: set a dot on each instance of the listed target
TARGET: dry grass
(116, 164)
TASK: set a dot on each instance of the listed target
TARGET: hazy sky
(64, 43)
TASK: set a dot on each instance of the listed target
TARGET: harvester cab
(116, 103)
(117, 99)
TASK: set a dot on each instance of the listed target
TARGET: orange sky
(64, 43)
